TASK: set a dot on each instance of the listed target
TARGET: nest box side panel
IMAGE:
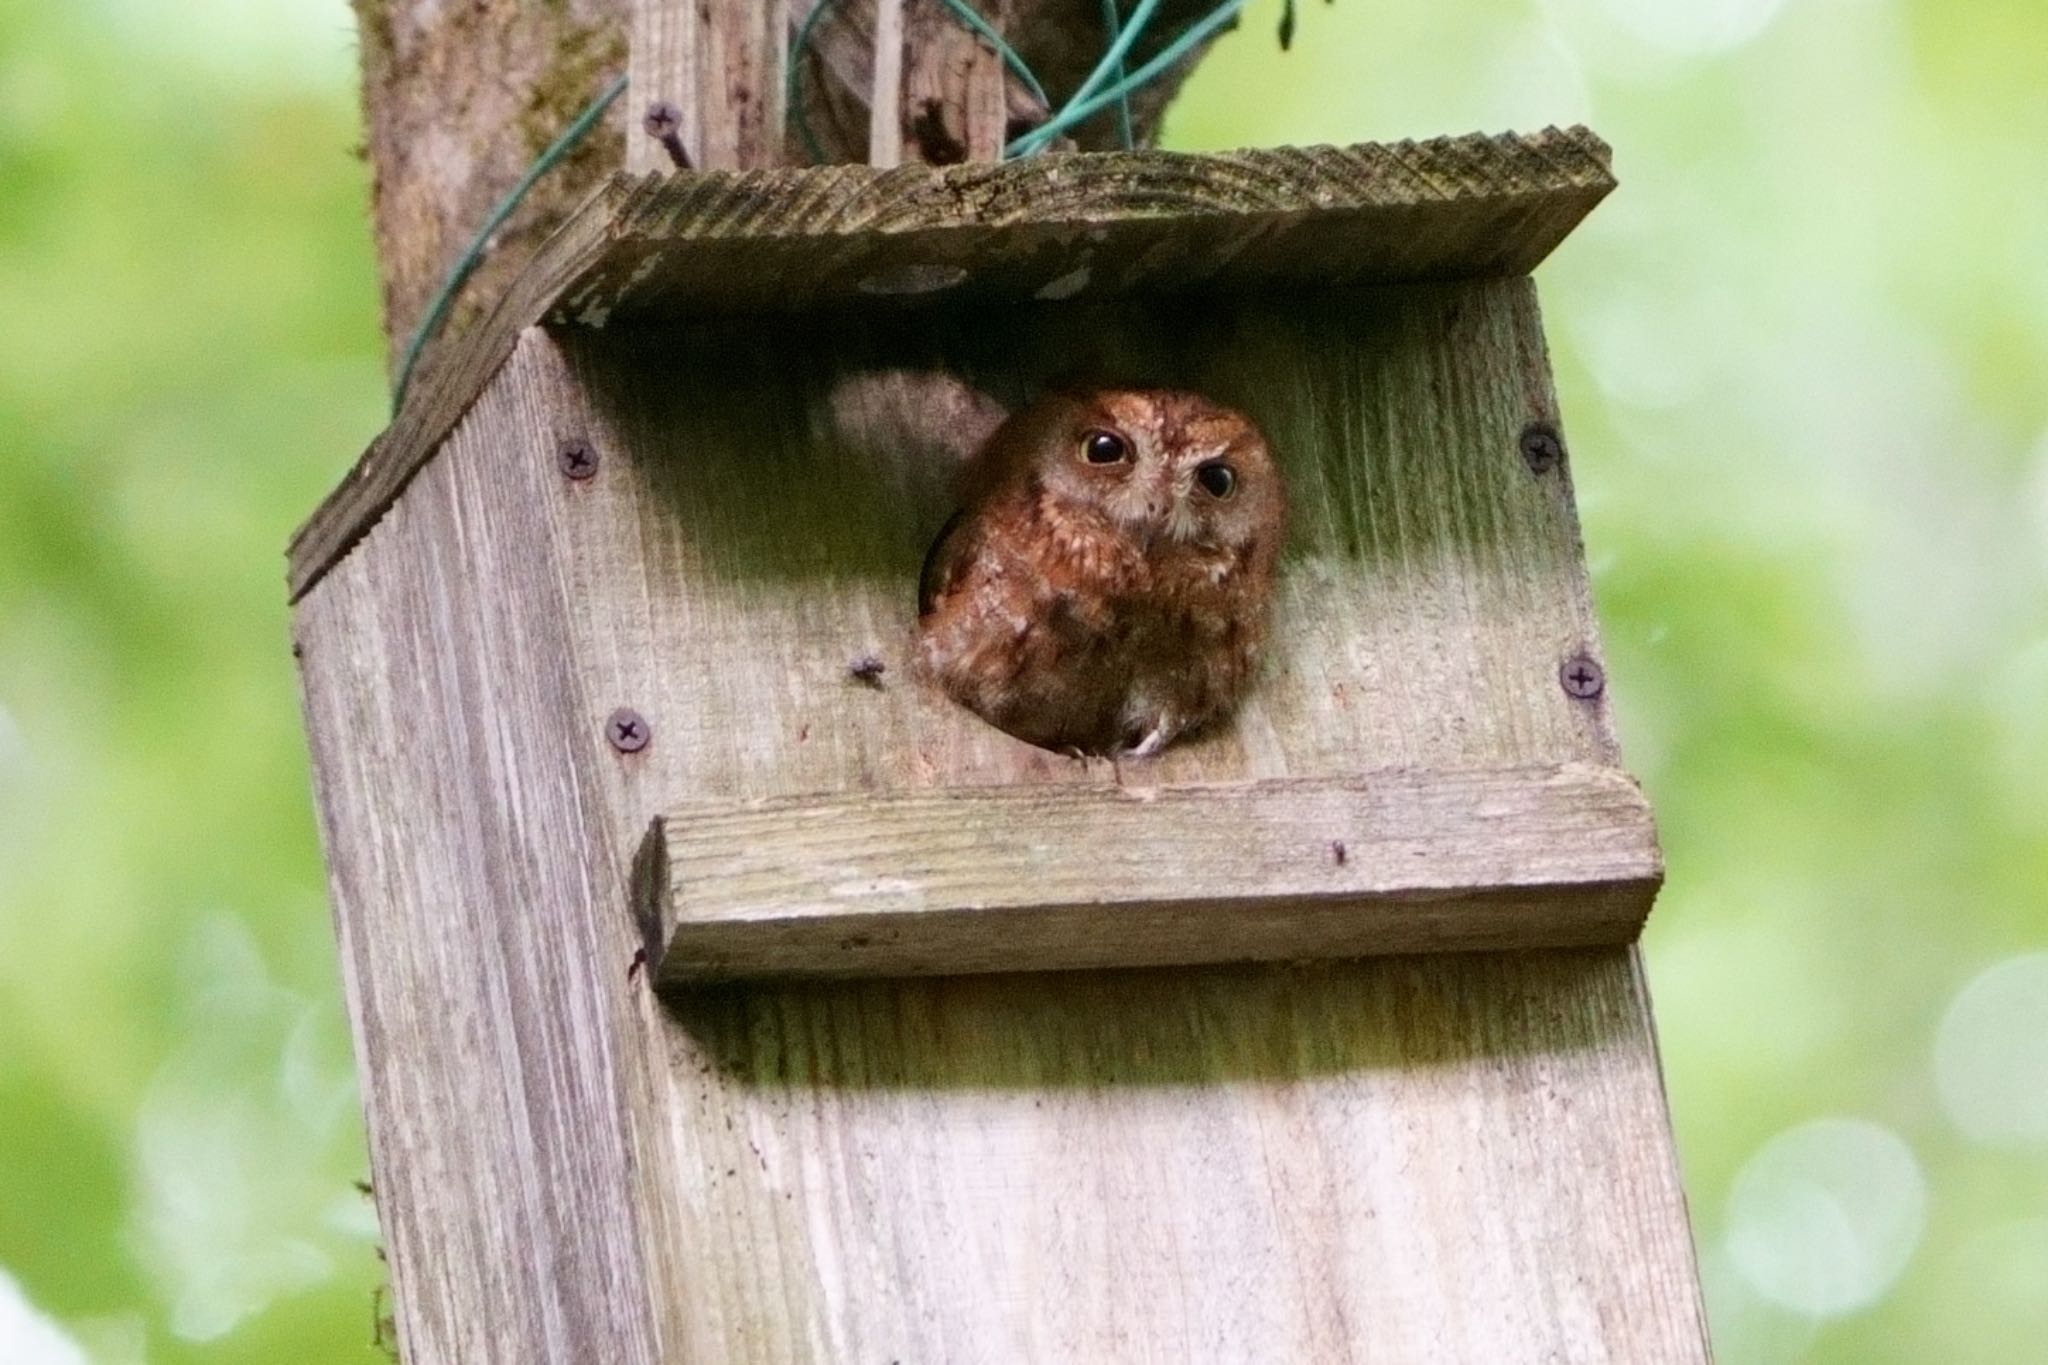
(475, 890)
(1273, 1163)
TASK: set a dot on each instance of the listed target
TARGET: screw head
(627, 730)
(1542, 448)
(662, 119)
(1581, 677)
(576, 459)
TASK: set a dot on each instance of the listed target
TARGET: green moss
(587, 57)
(373, 23)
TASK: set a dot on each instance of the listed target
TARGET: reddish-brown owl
(1104, 587)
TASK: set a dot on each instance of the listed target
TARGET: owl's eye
(1104, 447)
(1218, 479)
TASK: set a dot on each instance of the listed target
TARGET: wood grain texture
(1084, 227)
(442, 703)
(954, 104)
(1451, 1158)
(1045, 879)
(721, 63)
(1140, 222)
(885, 135)
(1060, 40)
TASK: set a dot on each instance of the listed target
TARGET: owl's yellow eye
(1104, 447)
(1217, 478)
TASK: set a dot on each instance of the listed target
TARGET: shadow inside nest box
(825, 446)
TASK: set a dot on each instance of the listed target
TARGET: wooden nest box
(1019, 1058)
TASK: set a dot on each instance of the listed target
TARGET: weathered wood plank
(1060, 40)
(885, 135)
(452, 757)
(954, 104)
(721, 63)
(1049, 227)
(1039, 879)
(1143, 222)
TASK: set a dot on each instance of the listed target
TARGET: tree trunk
(458, 100)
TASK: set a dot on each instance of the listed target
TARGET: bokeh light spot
(1694, 26)
(10, 740)
(1991, 1054)
(27, 1335)
(1824, 1217)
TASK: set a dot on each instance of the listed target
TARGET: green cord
(1080, 111)
(1119, 47)
(437, 312)
(792, 87)
(1112, 24)
(966, 15)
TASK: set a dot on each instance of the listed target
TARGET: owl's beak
(1153, 527)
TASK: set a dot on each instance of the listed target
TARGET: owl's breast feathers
(1057, 625)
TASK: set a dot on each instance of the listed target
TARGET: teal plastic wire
(1106, 68)
(437, 311)
(1078, 111)
(966, 14)
(792, 87)
(1113, 24)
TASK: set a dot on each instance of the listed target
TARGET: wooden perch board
(1041, 878)
(1054, 227)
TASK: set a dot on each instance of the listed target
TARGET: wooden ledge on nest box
(1036, 879)
(1080, 226)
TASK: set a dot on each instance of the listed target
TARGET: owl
(1104, 587)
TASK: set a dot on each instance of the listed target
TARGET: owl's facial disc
(1166, 467)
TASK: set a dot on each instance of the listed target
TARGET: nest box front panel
(783, 483)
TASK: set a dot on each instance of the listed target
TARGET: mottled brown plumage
(1104, 587)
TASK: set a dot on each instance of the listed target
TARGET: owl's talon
(1155, 740)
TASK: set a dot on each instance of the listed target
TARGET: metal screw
(664, 123)
(1542, 448)
(1581, 677)
(627, 730)
(576, 458)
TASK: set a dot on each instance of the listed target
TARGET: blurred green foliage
(1800, 355)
